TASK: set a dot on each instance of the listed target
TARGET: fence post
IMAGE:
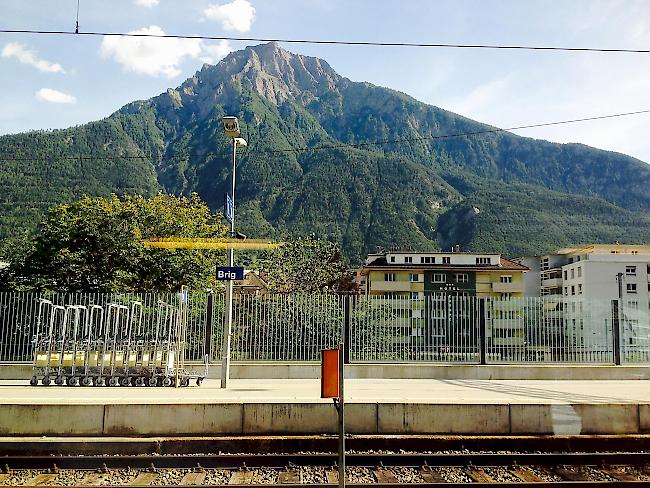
(616, 331)
(481, 330)
(346, 327)
(207, 344)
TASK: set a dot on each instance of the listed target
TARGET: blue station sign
(228, 208)
(229, 273)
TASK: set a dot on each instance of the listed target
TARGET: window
(408, 259)
(579, 288)
(439, 278)
(446, 260)
(573, 273)
(566, 291)
(506, 295)
(506, 279)
(392, 259)
(566, 277)
(631, 287)
(630, 270)
(482, 260)
(389, 276)
(573, 290)
(414, 277)
(579, 271)
(391, 295)
(415, 295)
(462, 278)
(633, 304)
(427, 260)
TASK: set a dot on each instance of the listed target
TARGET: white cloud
(26, 56)
(237, 15)
(54, 96)
(147, 3)
(214, 52)
(155, 57)
(148, 55)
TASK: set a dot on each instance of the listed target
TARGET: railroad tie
(384, 476)
(528, 476)
(144, 479)
(93, 479)
(193, 479)
(480, 476)
(42, 480)
(429, 476)
(289, 478)
(333, 477)
(241, 478)
(618, 474)
(571, 475)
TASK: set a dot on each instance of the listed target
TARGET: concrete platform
(264, 407)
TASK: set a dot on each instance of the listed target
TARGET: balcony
(507, 287)
(552, 283)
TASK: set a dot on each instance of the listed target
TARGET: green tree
(96, 245)
(304, 264)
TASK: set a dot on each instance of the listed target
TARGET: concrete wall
(307, 370)
(321, 418)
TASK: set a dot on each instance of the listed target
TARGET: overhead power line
(342, 146)
(457, 134)
(335, 42)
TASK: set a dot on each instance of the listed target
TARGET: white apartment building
(579, 285)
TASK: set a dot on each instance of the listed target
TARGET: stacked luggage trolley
(110, 345)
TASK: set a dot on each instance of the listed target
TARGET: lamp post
(231, 127)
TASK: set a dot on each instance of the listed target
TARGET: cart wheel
(100, 381)
(153, 381)
(199, 381)
(86, 381)
(46, 381)
(72, 381)
(33, 381)
(167, 381)
(139, 382)
(114, 381)
(58, 381)
(185, 382)
(126, 381)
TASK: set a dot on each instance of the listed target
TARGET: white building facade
(584, 288)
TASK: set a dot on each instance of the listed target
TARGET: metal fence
(432, 328)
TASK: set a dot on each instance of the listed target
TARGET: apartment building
(579, 285)
(435, 291)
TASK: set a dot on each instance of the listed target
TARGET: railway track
(316, 470)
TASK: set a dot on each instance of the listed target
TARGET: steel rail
(280, 461)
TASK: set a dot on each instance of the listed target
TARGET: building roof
(505, 265)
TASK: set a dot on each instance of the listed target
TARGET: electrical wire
(337, 43)
(361, 144)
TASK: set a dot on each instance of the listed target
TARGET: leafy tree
(96, 245)
(303, 264)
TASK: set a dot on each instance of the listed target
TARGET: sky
(49, 82)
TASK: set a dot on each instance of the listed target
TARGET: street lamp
(231, 128)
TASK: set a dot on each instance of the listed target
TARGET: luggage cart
(91, 344)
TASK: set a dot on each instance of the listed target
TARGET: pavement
(357, 391)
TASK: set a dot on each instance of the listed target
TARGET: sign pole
(225, 363)
(341, 411)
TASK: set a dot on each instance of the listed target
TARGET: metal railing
(431, 328)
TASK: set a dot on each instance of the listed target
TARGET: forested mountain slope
(530, 195)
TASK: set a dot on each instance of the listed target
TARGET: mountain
(489, 192)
